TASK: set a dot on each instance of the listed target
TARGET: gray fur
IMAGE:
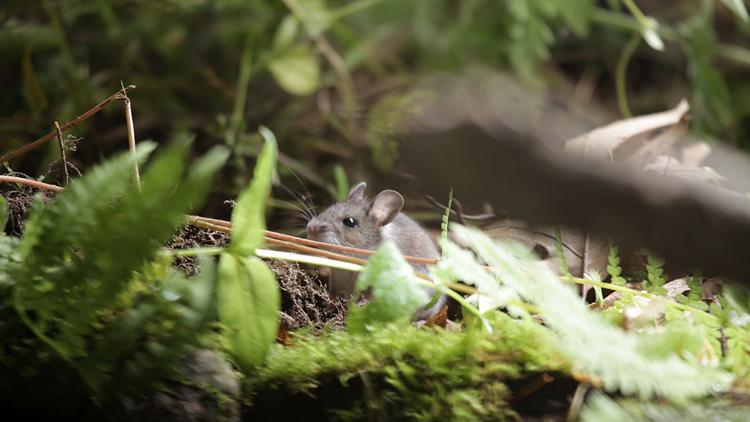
(377, 220)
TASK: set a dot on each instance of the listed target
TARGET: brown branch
(69, 124)
(31, 182)
(307, 242)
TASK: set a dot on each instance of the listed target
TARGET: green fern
(446, 219)
(613, 266)
(655, 274)
(641, 364)
(79, 252)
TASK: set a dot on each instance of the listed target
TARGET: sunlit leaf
(651, 36)
(248, 217)
(297, 70)
(394, 293)
(738, 8)
(248, 302)
(286, 33)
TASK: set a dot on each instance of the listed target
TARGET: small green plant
(248, 297)
(638, 363)
(85, 279)
(395, 296)
(613, 266)
(655, 274)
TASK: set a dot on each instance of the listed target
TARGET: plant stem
(61, 144)
(621, 72)
(240, 99)
(642, 19)
(205, 251)
(732, 53)
(131, 138)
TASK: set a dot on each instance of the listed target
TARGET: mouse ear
(386, 207)
(357, 193)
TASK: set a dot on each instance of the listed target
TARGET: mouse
(360, 222)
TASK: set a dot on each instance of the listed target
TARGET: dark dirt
(194, 237)
(305, 301)
(19, 203)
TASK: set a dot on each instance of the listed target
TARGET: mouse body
(362, 223)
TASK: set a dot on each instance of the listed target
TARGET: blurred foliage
(84, 292)
(328, 76)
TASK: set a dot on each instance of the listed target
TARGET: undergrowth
(401, 371)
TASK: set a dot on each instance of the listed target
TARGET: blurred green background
(331, 78)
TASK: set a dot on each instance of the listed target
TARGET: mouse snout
(316, 228)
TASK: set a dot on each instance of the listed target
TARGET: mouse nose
(316, 228)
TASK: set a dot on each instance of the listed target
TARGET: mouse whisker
(309, 210)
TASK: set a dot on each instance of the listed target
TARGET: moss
(401, 371)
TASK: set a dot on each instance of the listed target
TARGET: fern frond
(602, 351)
(82, 249)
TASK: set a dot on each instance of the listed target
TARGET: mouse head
(356, 222)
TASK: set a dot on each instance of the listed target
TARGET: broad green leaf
(286, 33)
(248, 217)
(248, 303)
(297, 70)
(395, 295)
(316, 15)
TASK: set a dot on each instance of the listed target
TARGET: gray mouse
(362, 223)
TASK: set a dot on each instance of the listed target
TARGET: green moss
(397, 371)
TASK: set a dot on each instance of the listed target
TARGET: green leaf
(577, 14)
(248, 302)
(3, 214)
(394, 293)
(248, 217)
(342, 183)
(286, 33)
(297, 70)
(738, 8)
(33, 92)
(584, 337)
(81, 250)
(651, 36)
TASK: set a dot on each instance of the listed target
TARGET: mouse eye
(350, 222)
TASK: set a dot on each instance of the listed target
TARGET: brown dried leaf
(602, 142)
(440, 319)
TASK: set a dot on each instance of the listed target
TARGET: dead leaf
(658, 145)
(439, 319)
(676, 287)
(601, 143)
(694, 155)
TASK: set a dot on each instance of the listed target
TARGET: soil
(305, 301)
(19, 203)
